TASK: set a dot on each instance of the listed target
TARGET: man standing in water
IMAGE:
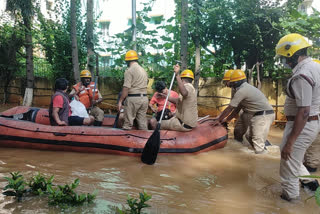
(257, 115)
(134, 93)
(302, 111)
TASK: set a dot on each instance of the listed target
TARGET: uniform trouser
(135, 108)
(241, 125)
(173, 124)
(312, 156)
(293, 167)
(97, 113)
(255, 128)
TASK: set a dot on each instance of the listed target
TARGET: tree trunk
(258, 75)
(134, 25)
(250, 77)
(184, 34)
(197, 64)
(97, 64)
(74, 43)
(90, 46)
(198, 48)
(28, 96)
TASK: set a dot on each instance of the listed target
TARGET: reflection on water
(229, 180)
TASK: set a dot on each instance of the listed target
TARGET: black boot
(312, 185)
(310, 169)
(97, 123)
(267, 143)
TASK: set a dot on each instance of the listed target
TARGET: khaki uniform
(136, 103)
(300, 93)
(186, 113)
(257, 116)
(312, 156)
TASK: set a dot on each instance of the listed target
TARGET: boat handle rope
(64, 134)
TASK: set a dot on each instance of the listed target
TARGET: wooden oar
(151, 149)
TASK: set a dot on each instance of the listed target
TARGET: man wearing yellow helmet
(187, 110)
(301, 109)
(257, 115)
(84, 92)
(134, 93)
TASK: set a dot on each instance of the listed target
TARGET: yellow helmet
(227, 75)
(187, 73)
(290, 44)
(131, 55)
(85, 73)
(237, 75)
(316, 60)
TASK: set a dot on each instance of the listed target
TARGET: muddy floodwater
(232, 180)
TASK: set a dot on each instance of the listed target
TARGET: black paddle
(151, 149)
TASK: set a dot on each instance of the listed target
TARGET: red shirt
(161, 100)
(58, 103)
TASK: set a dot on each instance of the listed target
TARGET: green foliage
(54, 37)
(39, 184)
(317, 192)
(62, 196)
(16, 185)
(294, 21)
(65, 195)
(11, 44)
(136, 206)
(158, 64)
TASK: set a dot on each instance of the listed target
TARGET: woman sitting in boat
(60, 111)
(187, 111)
(159, 100)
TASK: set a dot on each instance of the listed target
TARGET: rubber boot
(310, 169)
(312, 185)
(97, 123)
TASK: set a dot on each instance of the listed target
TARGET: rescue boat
(28, 127)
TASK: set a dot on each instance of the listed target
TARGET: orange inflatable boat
(25, 127)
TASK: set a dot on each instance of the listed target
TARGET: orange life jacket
(86, 93)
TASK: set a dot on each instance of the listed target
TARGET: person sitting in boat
(84, 92)
(60, 111)
(134, 93)
(186, 115)
(158, 101)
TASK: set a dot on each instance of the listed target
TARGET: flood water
(232, 180)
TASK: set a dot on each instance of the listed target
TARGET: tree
(75, 59)
(26, 9)
(90, 44)
(196, 40)
(11, 43)
(184, 34)
(55, 39)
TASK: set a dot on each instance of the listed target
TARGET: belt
(184, 125)
(263, 112)
(137, 95)
(310, 118)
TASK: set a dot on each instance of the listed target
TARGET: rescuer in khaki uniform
(187, 110)
(257, 115)
(134, 93)
(83, 92)
(302, 111)
(312, 156)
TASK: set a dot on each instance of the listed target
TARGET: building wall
(212, 99)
